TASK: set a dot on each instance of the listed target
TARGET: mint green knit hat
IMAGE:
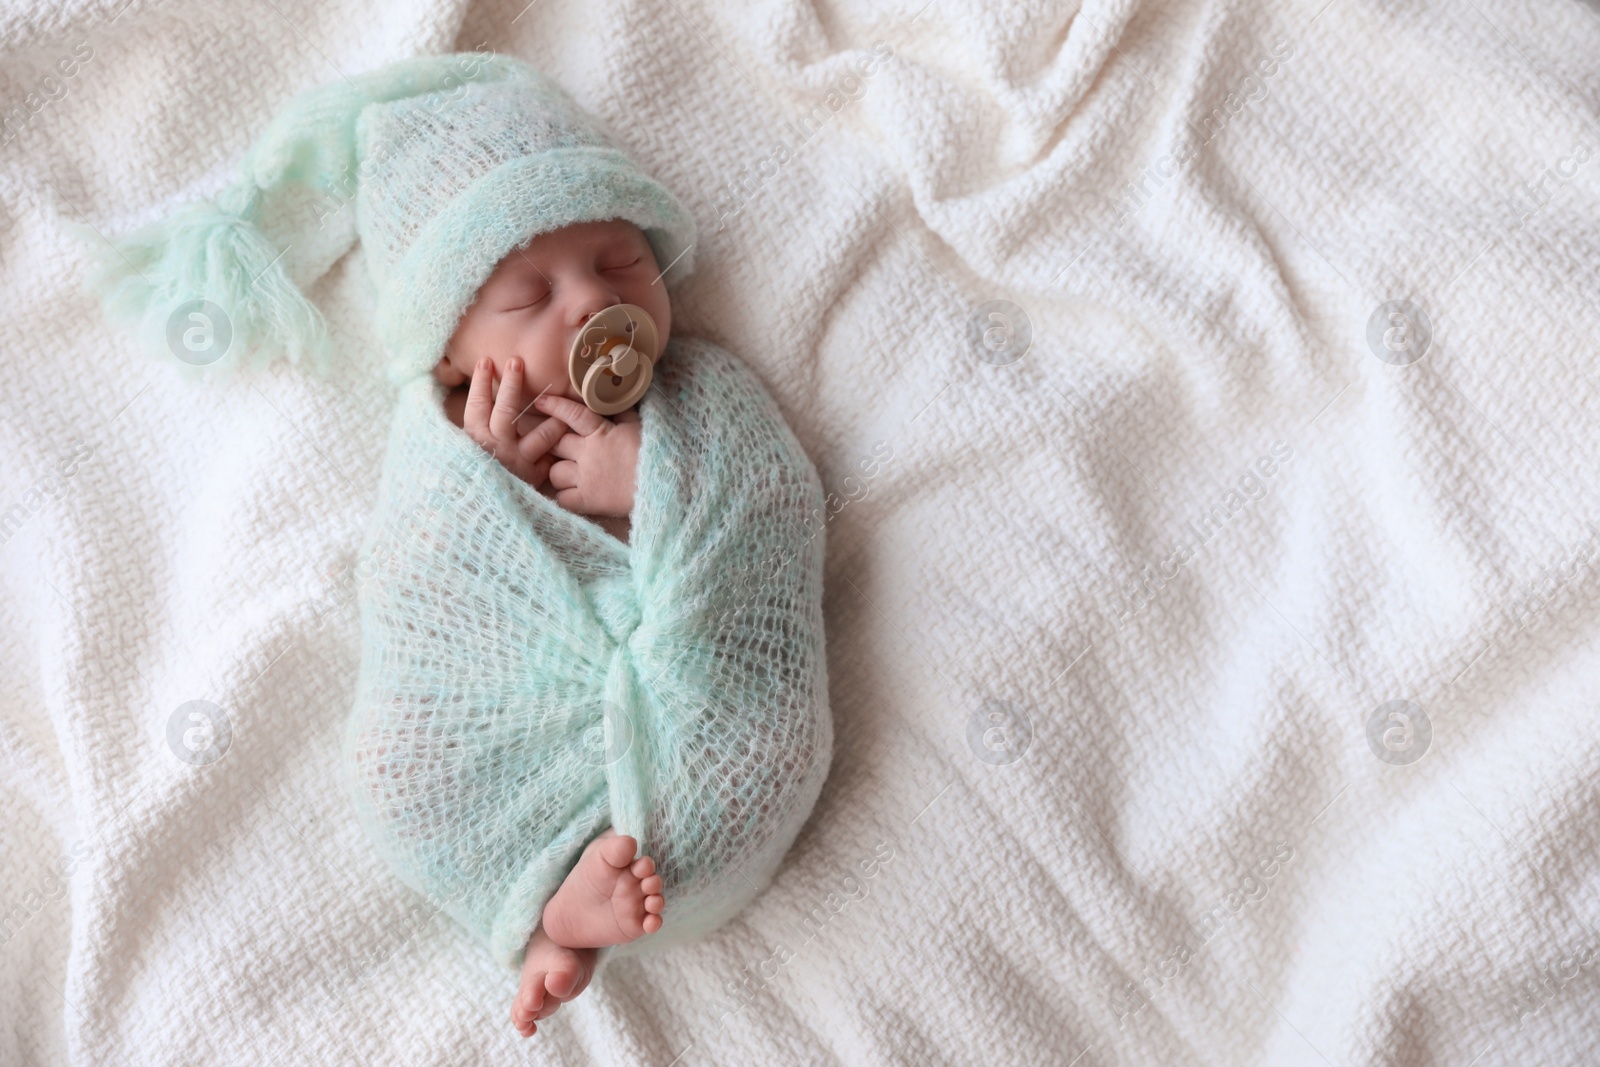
(440, 165)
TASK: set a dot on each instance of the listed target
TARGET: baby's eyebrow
(523, 264)
(620, 242)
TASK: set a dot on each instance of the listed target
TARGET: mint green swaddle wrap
(527, 679)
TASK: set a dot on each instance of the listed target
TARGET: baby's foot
(608, 898)
(551, 976)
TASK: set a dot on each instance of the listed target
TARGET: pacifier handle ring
(626, 326)
(596, 375)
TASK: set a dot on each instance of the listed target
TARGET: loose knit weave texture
(454, 186)
(527, 679)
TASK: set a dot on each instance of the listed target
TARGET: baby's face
(539, 297)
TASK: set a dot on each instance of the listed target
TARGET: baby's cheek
(446, 373)
(549, 374)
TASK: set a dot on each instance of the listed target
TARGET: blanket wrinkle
(1427, 542)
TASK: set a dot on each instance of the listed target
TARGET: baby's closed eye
(527, 299)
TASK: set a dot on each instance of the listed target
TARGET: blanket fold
(527, 679)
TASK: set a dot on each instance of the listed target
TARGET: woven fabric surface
(1106, 623)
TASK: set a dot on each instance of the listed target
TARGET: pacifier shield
(612, 358)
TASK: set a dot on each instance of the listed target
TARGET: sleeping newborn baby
(589, 461)
(642, 589)
(591, 712)
(518, 332)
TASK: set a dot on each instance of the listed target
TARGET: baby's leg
(551, 976)
(608, 898)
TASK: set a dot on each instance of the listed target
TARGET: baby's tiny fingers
(475, 414)
(538, 473)
(538, 441)
(508, 405)
(582, 420)
(564, 474)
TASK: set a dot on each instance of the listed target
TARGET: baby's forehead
(589, 235)
(579, 238)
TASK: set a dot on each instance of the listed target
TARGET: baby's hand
(599, 458)
(493, 423)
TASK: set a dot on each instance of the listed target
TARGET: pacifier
(611, 358)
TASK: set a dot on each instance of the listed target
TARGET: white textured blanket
(1212, 623)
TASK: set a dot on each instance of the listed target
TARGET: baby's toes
(618, 850)
(559, 983)
(525, 1007)
(654, 903)
(643, 868)
(530, 998)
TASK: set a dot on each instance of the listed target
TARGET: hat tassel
(209, 287)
